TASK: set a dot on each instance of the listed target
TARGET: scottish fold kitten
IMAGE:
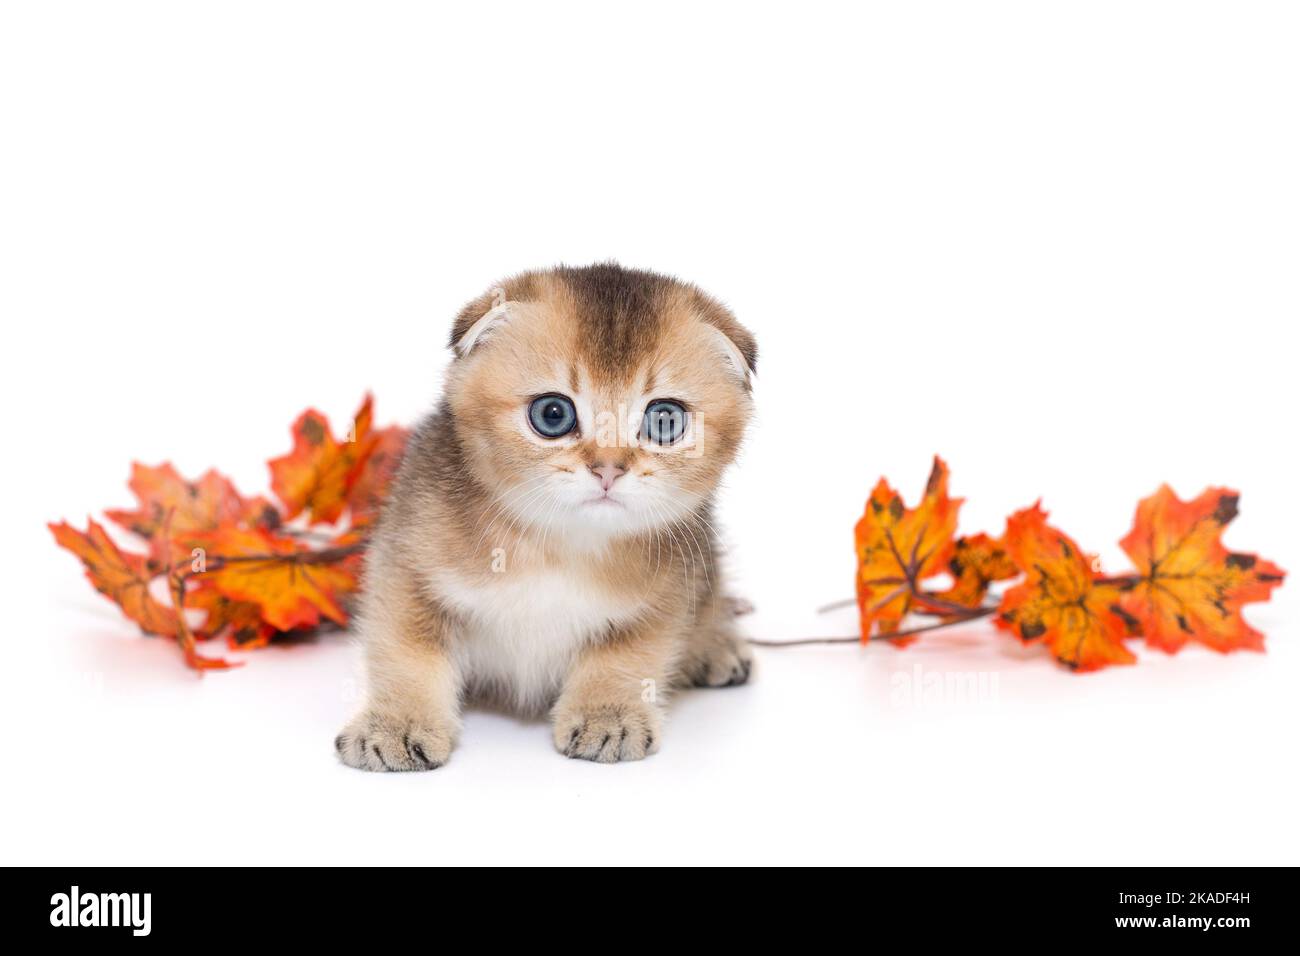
(548, 543)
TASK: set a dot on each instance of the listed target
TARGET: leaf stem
(836, 605)
(970, 614)
(925, 597)
(218, 561)
(323, 556)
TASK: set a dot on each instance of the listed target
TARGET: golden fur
(498, 569)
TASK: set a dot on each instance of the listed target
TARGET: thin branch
(323, 556)
(304, 533)
(217, 561)
(926, 597)
(944, 605)
(971, 614)
(176, 585)
(836, 605)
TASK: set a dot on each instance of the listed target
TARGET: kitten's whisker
(655, 529)
(658, 541)
(495, 505)
(688, 568)
(522, 514)
(508, 535)
(511, 499)
(717, 535)
(659, 546)
(695, 550)
(708, 579)
(546, 524)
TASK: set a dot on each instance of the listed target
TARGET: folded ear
(736, 343)
(476, 321)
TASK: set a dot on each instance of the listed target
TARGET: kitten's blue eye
(552, 416)
(665, 421)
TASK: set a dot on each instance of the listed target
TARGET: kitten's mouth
(605, 500)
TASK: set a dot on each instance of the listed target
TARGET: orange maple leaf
(1190, 587)
(232, 557)
(292, 585)
(120, 576)
(240, 621)
(1062, 602)
(190, 506)
(977, 561)
(319, 474)
(370, 489)
(900, 547)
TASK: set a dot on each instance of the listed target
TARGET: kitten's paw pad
(607, 734)
(728, 666)
(383, 743)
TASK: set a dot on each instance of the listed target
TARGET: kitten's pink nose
(607, 472)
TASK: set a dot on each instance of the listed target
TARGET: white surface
(1057, 245)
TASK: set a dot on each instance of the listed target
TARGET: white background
(1055, 243)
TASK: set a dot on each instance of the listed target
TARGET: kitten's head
(602, 401)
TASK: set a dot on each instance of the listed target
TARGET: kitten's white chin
(595, 520)
(598, 501)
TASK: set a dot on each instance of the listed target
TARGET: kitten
(548, 542)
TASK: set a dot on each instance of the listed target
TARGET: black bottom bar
(1047, 906)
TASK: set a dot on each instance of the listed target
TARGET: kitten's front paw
(607, 733)
(725, 663)
(380, 742)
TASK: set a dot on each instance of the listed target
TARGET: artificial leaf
(165, 498)
(318, 475)
(899, 548)
(1062, 602)
(239, 621)
(120, 576)
(293, 586)
(233, 558)
(977, 561)
(185, 635)
(1189, 586)
(370, 489)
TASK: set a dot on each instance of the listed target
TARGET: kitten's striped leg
(412, 713)
(611, 708)
(715, 655)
